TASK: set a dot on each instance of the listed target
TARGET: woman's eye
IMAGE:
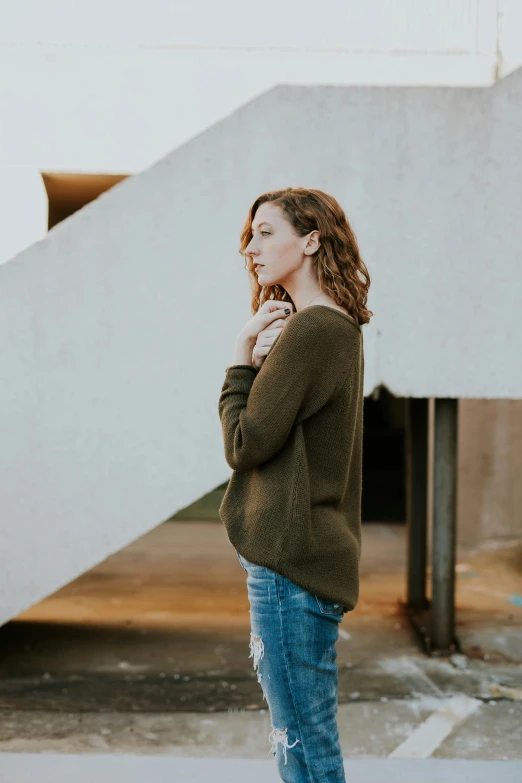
(265, 232)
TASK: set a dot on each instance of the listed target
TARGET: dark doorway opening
(384, 496)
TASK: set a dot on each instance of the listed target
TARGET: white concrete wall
(112, 86)
(509, 36)
(23, 209)
(115, 329)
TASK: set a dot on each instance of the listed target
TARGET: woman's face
(276, 247)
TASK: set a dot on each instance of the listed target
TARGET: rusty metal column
(444, 524)
(416, 501)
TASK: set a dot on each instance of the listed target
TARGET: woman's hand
(265, 340)
(270, 311)
(271, 315)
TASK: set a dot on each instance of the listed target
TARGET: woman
(291, 408)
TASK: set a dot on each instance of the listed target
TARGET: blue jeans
(292, 642)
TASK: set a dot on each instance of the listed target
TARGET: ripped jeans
(292, 642)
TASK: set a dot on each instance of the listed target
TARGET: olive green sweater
(293, 437)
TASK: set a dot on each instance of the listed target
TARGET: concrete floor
(148, 653)
(20, 768)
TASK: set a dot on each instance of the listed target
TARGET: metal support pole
(444, 524)
(416, 501)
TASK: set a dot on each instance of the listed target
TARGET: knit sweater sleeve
(259, 408)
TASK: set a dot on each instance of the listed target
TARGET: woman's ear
(312, 243)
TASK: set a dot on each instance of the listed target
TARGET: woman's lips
(257, 266)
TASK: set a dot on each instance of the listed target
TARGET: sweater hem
(280, 568)
(241, 366)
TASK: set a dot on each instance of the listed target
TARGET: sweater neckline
(333, 310)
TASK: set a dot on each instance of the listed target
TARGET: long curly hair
(340, 270)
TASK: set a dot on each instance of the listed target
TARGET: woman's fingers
(267, 339)
(269, 318)
(272, 305)
(265, 318)
(273, 326)
(264, 342)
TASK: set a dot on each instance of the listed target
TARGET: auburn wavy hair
(340, 270)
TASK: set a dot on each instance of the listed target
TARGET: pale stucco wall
(489, 504)
(112, 87)
(24, 209)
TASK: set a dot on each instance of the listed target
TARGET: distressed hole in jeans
(280, 735)
(257, 651)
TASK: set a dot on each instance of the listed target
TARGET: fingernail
(287, 311)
